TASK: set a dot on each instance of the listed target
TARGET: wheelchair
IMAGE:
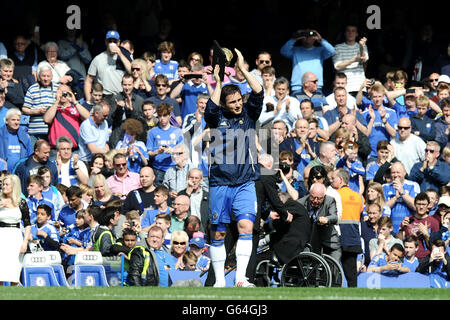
(307, 269)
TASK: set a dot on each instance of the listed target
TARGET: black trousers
(348, 260)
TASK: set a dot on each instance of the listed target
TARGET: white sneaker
(219, 285)
(244, 284)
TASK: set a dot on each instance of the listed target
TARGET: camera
(372, 82)
(304, 34)
(131, 223)
(285, 167)
(410, 91)
(64, 94)
(411, 219)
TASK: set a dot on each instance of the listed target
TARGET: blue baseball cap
(197, 241)
(112, 34)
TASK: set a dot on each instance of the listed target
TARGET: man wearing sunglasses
(431, 173)
(123, 180)
(408, 148)
(264, 60)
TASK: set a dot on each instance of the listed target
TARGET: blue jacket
(233, 150)
(24, 139)
(442, 138)
(425, 126)
(430, 179)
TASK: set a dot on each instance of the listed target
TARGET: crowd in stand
(112, 153)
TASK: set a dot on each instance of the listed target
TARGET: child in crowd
(189, 262)
(133, 222)
(149, 110)
(389, 263)
(43, 233)
(161, 197)
(87, 193)
(50, 192)
(163, 221)
(385, 240)
(410, 261)
(78, 236)
(353, 165)
(198, 247)
(35, 185)
(124, 245)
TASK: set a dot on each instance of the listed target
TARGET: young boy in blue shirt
(161, 196)
(198, 247)
(42, 231)
(389, 264)
(35, 185)
(410, 261)
(353, 165)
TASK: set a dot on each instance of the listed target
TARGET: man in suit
(323, 215)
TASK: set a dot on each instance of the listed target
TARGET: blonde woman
(375, 194)
(12, 210)
(102, 193)
(178, 246)
(88, 193)
(140, 74)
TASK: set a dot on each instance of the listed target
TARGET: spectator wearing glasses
(94, 133)
(195, 58)
(178, 246)
(162, 85)
(181, 204)
(263, 60)
(306, 57)
(103, 68)
(431, 173)
(311, 91)
(142, 86)
(432, 84)
(123, 180)
(408, 148)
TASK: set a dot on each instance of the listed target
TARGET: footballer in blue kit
(232, 175)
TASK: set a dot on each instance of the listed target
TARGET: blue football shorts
(239, 200)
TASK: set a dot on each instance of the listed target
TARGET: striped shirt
(355, 71)
(39, 97)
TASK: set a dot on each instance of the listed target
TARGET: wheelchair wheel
(308, 269)
(266, 274)
(337, 274)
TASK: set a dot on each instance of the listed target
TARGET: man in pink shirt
(123, 181)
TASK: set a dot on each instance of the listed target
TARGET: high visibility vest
(146, 255)
(99, 240)
(349, 224)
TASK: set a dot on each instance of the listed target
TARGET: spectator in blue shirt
(431, 173)
(422, 125)
(400, 194)
(410, 260)
(165, 65)
(44, 232)
(161, 140)
(389, 264)
(15, 142)
(306, 57)
(353, 165)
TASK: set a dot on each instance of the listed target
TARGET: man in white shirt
(408, 148)
(281, 106)
(340, 81)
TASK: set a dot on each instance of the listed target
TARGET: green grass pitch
(202, 293)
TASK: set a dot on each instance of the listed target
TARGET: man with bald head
(310, 90)
(142, 198)
(349, 122)
(199, 204)
(303, 149)
(181, 212)
(408, 148)
(399, 195)
(334, 116)
(324, 218)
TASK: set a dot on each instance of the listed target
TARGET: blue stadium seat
(90, 276)
(39, 277)
(60, 275)
(89, 271)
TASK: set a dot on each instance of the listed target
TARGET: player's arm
(251, 79)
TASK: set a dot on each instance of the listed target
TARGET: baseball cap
(112, 34)
(197, 241)
(444, 200)
(444, 78)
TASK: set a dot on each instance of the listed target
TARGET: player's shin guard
(218, 257)
(243, 251)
